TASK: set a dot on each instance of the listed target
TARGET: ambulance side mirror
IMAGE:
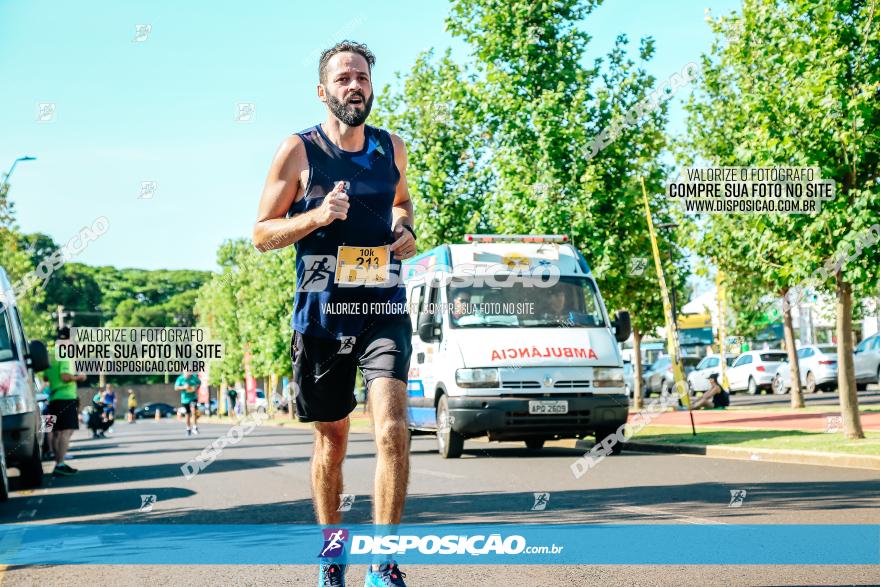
(38, 356)
(428, 331)
(622, 325)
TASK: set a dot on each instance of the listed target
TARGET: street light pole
(11, 169)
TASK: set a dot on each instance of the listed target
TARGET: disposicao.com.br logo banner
(481, 544)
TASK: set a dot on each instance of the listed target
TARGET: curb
(770, 455)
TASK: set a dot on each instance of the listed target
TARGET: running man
(188, 385)
(334, 189)
(63, 404)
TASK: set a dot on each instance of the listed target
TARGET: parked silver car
(866, 359)
(698, 379)
(658, 377)
(754, 370)
(817, 364)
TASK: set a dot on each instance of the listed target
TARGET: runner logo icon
(346, 344)
(334, 542)
(541, 501)
(317, 272)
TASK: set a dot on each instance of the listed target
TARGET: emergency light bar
(518, 238)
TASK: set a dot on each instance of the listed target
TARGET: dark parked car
(149, 410)
(208, 410)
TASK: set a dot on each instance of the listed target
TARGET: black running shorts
(66, 412)
(324, 369)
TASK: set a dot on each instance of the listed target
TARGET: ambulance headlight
(477, 377)
(607, 377)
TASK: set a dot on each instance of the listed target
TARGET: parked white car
(867, 361)
(817, 364)
(629, 378)
(754, 370)
(698, 379)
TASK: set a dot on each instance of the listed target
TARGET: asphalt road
(264, 479)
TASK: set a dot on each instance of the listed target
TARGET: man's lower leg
(62, 442)
(388, 406)
(331, 442)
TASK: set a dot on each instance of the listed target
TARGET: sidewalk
(759, 420)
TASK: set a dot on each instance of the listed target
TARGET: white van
(512, 341)
(20, 431)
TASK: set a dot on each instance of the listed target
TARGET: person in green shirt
(188, 385)
(63, 404)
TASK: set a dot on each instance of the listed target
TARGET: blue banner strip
(186, 544)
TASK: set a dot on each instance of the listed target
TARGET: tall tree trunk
(797, 394)
(846, 374)
(221, 399)
(637, 369)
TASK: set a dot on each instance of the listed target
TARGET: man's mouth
(356, 99)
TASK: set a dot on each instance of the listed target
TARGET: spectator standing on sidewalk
(63, 404)
(132, 406)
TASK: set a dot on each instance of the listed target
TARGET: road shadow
(647, 504)
(124, 502)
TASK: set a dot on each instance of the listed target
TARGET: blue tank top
(372, 176)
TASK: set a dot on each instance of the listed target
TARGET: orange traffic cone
(158, 414)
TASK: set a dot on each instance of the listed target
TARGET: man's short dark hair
(344, 47)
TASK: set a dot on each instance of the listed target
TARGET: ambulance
(511, 341)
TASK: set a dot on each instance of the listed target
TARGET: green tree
(17, 262)
(795, 82)
(505, 142)
(437, 112)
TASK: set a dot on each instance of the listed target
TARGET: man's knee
(331, 439)
(392, 436)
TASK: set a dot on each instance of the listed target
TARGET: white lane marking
(438, 474)
(656, 512)
(27, 514)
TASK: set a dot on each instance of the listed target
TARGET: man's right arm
(273, 230)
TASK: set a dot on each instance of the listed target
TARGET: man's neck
(347, 138)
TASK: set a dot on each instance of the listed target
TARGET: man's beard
(347, 114)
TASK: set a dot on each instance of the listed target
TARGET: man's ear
(322, 93)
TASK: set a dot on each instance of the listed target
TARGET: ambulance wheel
(617, 448)
(535, 443)
(450, 443)
(32, 469)
(4, 478)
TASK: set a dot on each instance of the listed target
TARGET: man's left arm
(402, 213)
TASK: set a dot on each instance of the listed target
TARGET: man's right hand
(334, 207)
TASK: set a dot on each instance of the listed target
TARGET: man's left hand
(405, 245)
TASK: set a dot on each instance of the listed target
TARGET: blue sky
(164, 109)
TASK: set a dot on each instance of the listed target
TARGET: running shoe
(388, 575)
(195, 429)
(331, 575)
(189, 432)
(64, 469)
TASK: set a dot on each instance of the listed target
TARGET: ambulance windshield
(572, 301)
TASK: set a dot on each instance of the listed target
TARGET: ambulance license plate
(548, 407)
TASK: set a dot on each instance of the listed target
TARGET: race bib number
(362, 265)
